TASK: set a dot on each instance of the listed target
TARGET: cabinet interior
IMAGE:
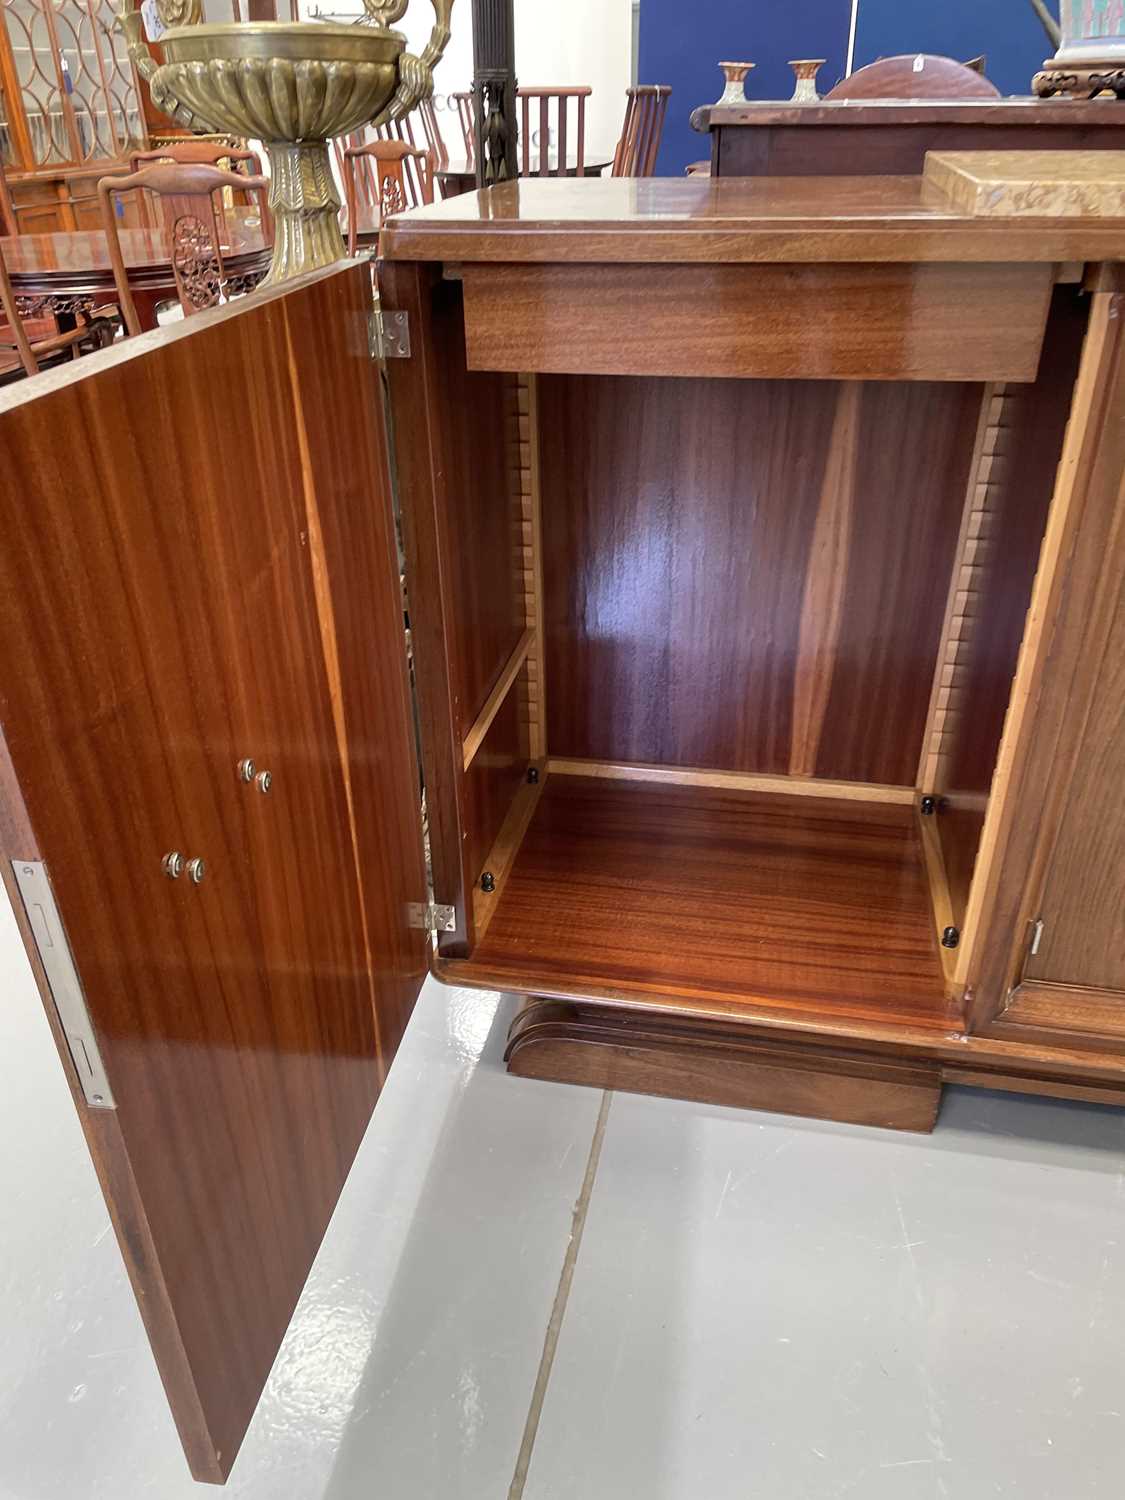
(715, 641)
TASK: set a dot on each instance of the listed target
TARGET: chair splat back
(637, 149)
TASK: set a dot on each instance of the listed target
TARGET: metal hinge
(388, 334)
(432, 916)
(62, 979)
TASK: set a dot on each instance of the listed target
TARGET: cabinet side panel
(460, 475)
(748, 575)
(484, 511)
(996, 571)
(497, 772)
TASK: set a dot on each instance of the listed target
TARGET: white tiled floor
(760, 1307)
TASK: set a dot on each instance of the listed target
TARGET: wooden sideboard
(891, 136)
(764, 556)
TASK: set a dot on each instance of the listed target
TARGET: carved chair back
(645, 108)
(435, 141)
(194, 230)
(552, 160)
(208, 153)
(384, 177)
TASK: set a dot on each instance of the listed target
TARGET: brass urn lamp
(293, 86)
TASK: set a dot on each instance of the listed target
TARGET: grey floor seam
(558, 1309)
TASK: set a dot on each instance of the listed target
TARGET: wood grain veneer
(873, 322)
(685, 536)
(245, 1023)
(775, 902)
(497, 773)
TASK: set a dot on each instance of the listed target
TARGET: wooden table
(69, 271)
(459, 175)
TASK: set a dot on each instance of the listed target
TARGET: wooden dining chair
(562, 99)
(207, 153)
(193, 229)
(18, 347)
(384, 177)
(435, 141)
(645, 107)
(466, 115)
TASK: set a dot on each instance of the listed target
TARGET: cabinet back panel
(748, 575)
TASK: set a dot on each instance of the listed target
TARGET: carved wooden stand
(1081, 83)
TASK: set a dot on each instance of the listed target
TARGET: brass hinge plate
(433, 916)
(388, 334)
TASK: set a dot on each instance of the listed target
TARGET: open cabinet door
(198, 569)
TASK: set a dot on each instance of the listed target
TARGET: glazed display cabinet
(69, 104)
(764, 560)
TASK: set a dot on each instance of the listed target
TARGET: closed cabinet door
(209, 770)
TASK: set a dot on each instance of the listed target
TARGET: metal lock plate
(62, 977)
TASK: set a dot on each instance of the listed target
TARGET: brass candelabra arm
(416, 74)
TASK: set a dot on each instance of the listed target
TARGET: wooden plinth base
(640, 1054)
(1084, 82)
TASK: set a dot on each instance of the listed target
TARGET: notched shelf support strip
(476, 735)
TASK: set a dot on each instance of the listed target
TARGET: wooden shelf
(661, 894)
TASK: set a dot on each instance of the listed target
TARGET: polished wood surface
(687, 220)
(875, 322)
(738, 896)
(245, 1022)
(554, 1041)
(996, 572)
(688, 562)
(912, 76)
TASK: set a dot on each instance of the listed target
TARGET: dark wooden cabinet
(764, 551)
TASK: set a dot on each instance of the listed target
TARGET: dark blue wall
(1006, 31)
(681, 44)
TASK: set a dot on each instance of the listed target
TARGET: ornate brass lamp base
(292, 86)
(306, 209)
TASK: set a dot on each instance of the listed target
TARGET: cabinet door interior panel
(1011, 499)
(748, 575)
(1083, 901)
(166, 611)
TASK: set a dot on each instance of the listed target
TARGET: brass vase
(293, 86)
